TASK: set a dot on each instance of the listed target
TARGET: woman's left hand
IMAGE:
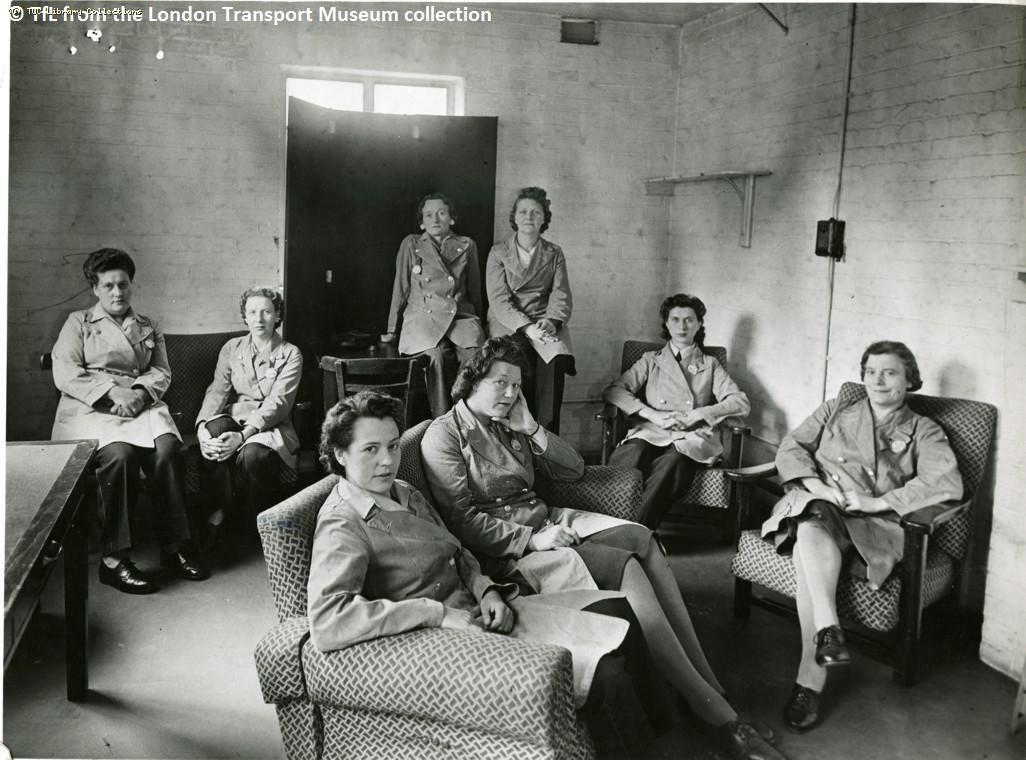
(864, 503)
(519, 419)
(229, 443)
(496, 614)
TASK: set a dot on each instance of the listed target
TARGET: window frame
(455, 88)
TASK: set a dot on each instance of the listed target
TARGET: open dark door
(352, 184)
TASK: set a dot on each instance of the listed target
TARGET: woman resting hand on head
(244, 425)
(110, 365)
(676, 399)
(851, 471)
(481, 459)
(436, 297)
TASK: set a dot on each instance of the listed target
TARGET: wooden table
(45, 484)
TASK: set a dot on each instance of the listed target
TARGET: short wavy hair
(505, 348)
(435, 197)
(277, 300)
(105, 260)
(534, 194)
(337, 428)
(903, 352)
(683, 301)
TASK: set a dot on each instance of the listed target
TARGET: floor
(172, 676)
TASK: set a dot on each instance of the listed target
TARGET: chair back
(633, 349)
(393, 376)
(287, 529)
(970, 427)
(193, 359)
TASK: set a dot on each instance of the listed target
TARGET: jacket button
(841, 460)
(533, 502)
(869, 471)
(507, 508)
(835, 478)
(428, 311)
(523, 490)
(662, 401)
(427, 279)
(498, 500)
(688, 402)
(452, 279)
(452, 561)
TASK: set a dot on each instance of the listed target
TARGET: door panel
(352, 184)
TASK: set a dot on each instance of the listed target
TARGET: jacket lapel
(863, 431)
(113, 334)
(477, 437)
(673, 375)
(426, 250)
(516, 275)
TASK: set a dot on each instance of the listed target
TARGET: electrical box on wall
(830, 238)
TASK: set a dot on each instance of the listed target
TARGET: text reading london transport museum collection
(275, 16)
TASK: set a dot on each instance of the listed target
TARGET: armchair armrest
(926, 520)
(485, 682)
(752, 474)
(279, 661)
(614, 491)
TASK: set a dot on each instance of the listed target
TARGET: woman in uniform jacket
(436, 297)
(244, 425)
(110, 365)
(383, 563)
(675, 398)
(480, 460)
(851, 471)
(529, 297)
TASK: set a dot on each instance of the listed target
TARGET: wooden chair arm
(737, 429)
(752, 474)
(926, 520)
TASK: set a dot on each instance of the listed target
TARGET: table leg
(76, 618)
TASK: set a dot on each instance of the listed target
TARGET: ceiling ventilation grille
(578, 31)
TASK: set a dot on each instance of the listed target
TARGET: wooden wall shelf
(745, 190)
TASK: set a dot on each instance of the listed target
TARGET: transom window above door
(376, 92)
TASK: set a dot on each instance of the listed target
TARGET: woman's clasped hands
(492, 615)
(850, 501)
(220, 448)
(127, 402)
(673, 420)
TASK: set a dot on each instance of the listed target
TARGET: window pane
(342, 96)
(400, 98)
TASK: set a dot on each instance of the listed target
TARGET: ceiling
(651, 13)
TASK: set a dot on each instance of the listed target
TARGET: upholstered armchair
(710, 498)
(430, 693)
(936, 539)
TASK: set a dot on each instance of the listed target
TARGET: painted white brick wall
(933, 199)
(180, 162)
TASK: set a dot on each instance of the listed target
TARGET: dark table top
(41, 476)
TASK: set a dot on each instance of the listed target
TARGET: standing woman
(110, 365)
(437, 296)
(529, 297)
(244, 425)
(676, 399)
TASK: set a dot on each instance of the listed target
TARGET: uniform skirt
(607, 552)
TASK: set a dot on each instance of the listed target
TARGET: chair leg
(742, 598)
(910, 620)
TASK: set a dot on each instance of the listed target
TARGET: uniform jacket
(437, 294)
(906, 460)
(698, 381)
(375, 572)
(518, 297)
(93, 353)
(258, 390)
(482, 478)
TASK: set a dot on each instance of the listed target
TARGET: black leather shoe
(126, 578)
(802, 709)
(830, 648)
(744, 743)
(187, 565)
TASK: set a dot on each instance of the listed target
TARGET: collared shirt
(524, 255)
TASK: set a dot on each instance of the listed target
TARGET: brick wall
(932, 195)
(180, 162)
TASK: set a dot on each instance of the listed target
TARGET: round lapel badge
(516, 445)
(417, 269)
(898, 445)
(693, 369)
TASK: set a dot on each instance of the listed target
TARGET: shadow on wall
(956, 379)
(773, 420)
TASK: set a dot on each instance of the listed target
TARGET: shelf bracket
(745, 191)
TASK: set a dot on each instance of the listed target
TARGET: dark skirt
(606, 553)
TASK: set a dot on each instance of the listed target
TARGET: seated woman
(436, 297)
(480, 460)
(675, 398)
(852, 470)
(110, 365)
(244, 425)
(529, 297)
(383, 563)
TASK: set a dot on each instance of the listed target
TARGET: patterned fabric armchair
(710, 490)
(936, 540)
(425, 694)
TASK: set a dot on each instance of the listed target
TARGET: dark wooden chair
(888, 620)
(710, 500)
(401, 377)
